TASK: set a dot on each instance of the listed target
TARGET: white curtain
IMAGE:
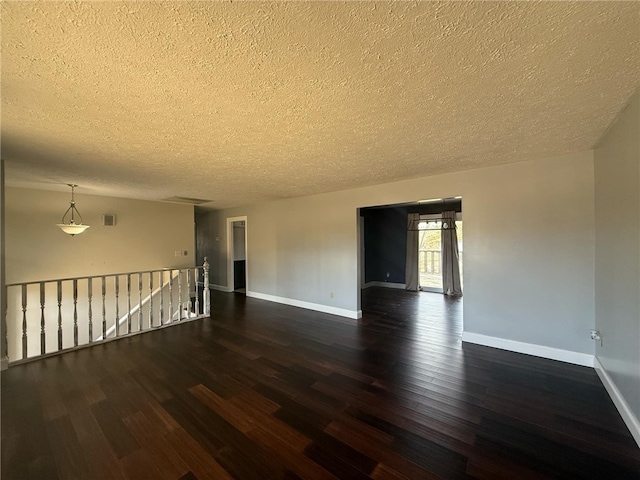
(450, 256)
(411, 269)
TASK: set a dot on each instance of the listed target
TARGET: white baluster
(206, 295)
(89, 295)
(196, 274)
(24, 320)
(59, 286)
(140, 301)
(170, 296)
(104, 308)
(161, 282)
(179, 295)
(117, 291)
(150, 299)
(75, 312)
(189, 291)
(128, 303)
(43, 343)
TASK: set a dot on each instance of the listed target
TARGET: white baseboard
(618, 400)
(400, 286)
(220, 288)
(342, 312)
(4, 363)
(568, 356)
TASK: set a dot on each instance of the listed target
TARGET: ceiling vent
(190, 201)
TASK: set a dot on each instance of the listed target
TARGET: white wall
(529, 247)
(146, 236)
(617, 265)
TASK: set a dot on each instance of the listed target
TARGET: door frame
(230, 255)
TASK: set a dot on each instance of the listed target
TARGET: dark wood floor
(269, 391)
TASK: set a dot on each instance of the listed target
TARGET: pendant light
(70, 226)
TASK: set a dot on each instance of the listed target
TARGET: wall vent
(109, 220)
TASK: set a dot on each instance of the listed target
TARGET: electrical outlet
(331, 294)
(185, 253)
(596, 335)
(177, 253)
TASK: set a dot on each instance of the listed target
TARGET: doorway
(237, 255)
(387, 253)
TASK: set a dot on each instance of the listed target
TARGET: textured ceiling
(246, 102)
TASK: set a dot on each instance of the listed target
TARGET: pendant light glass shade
(72, 229)
(70, 226)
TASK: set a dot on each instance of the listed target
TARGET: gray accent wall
(385, 244)
(617, 252)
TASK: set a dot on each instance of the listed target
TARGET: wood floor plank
(270, 391)
(151, 438)
(381, 451)
(254, 462)
(29, 459)
(199, 461)
(139, 466)
(66, 449)
(101, 458)
(294, 460)
(200, 423)
(384, 472)
(120, 439)
(160, 417)
(294, 439)
(226, 410)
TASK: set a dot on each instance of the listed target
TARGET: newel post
(206, 300)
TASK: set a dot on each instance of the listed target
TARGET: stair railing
(48, 317)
